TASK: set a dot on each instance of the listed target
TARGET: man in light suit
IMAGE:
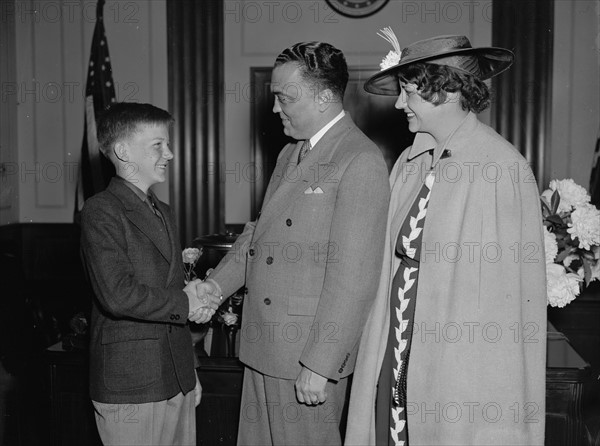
(311, 261)
(141, 358)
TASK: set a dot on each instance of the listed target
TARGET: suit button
(251, 252)
(267, 301)
(288, 222)
(177, 317)
(172, 317)
(269, 260)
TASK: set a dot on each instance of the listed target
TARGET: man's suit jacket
(140, 347)
(313, 257)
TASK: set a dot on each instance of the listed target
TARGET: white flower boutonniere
(190, 257)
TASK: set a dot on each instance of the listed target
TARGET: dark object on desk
(78, 338)
(74, 341)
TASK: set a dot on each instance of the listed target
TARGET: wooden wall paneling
(521, 110)
(9, 204)
(195, 56)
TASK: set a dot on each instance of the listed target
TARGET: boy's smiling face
(146, 155)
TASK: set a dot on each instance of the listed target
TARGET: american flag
(95, 170)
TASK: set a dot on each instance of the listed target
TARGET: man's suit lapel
(289, 177)
(294, 179)
(140, 215)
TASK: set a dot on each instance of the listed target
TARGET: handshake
(204, 298)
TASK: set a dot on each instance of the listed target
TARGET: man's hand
(201, 307)
(310, 387)
(197, 390)
(210, 288)
(208, 295)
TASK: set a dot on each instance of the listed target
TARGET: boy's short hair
(121, 119)
(435, 81)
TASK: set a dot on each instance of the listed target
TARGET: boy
(141, 357)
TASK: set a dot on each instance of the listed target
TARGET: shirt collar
(136, 190)
(315, 139)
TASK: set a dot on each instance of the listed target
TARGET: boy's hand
(201, 316)
(197, 302)
(205, 298)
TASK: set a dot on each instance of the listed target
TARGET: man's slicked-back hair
(121, 119)
(321, 65)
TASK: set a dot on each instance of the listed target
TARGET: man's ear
(326, 98)
(120, 149)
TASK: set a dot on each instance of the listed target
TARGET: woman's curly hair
(435, 81)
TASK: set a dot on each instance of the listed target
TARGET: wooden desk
(566, 373)
(71, 411)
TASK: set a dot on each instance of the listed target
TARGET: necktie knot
(304, 150)
(155, 209)
(151, 203)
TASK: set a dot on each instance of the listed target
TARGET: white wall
(53, 40)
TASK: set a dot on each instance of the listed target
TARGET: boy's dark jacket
(140, 346)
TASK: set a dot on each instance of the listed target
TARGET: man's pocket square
(316, 190)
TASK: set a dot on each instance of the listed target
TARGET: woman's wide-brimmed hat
(453, 51)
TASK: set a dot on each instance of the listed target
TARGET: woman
(454, 348)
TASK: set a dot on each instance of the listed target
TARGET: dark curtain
(195, 57)
(522, 107)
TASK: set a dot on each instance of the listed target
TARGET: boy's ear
(120, 149)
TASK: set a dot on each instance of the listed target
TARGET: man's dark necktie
(304, 150)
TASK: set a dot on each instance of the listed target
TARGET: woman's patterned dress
(390, 414)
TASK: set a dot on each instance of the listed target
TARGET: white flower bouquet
(571, 240)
